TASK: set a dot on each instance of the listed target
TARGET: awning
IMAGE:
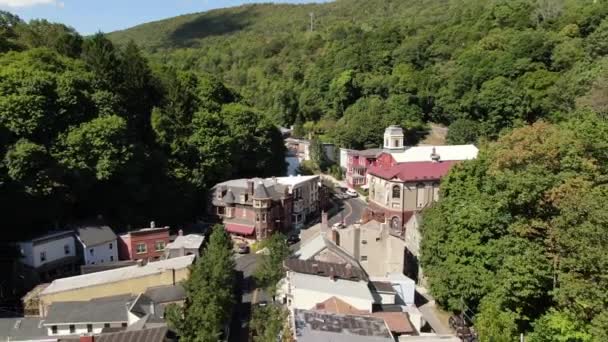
(240, 229)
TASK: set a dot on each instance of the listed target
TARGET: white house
(51, 255)
(98, 244)
(308, 282)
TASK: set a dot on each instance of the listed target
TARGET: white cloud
(29, 3)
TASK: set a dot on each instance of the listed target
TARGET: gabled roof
(22, 329)
(100, 310)
(412, 172)
(337, 287)
(229, 197)
(95, 235)
(326, 269)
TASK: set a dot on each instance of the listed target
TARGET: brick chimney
(87, 338)
(250, 186)
(324, 222)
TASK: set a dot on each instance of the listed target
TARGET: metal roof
(100, 310)
(423, 153)
(336, 287)
(325, 269)
(95, 235)
(312, 326)
(119, 274)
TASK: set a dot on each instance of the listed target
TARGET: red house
(143, 244)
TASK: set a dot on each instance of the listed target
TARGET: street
(349, 211)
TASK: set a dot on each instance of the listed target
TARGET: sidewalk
(435, 317)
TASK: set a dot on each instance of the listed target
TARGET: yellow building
(127, 280)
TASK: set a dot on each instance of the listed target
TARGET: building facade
(147, 243)
(97, 244)
(255, 208)
(52, 255)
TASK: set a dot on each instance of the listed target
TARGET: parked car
(352, 193)
(293, 239)
(242, 248)
(338, 225)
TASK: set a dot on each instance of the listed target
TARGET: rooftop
(325, 269)
(21, 328)
(190, 241)
(446, 153)
(397, 322)
(414, 171)
(115, 275)
(95, 235)
(157, 334)
(166, 294)
(312, 326)
(51, 236)
(315, 245)
(100, 310)
(337, 287)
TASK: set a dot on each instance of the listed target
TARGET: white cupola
(393, 138)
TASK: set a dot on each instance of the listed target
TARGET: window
(42, 256)
(159, 246)
(141, 248)
(89, 328)
(220, 210)
(110, 245)
(263, 217)
(421, 201)
(54, 330)
(396, 191)
(396, 143)
(91, 251)
(66, 249)
(124, 325)
(106, 325)
(111, 258)
(364, 242)
(72, 328)
(364, 258)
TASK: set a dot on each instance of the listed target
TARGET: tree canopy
(519, 234)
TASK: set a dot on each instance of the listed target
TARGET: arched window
(396, 191)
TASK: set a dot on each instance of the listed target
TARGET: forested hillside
(520, 234)
(480, 66)
(87, 128)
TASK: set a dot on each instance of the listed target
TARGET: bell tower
(393, 138)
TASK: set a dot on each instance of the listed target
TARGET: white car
(352, 193)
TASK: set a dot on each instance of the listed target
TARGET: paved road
(350, 211)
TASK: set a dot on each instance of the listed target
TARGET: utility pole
(312, 21)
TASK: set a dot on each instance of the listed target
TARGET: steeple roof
(260, 191)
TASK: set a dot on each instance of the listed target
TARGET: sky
(90, 16)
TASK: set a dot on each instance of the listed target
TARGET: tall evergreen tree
(209, 293)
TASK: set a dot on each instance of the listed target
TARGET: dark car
(293, 239)
(242, 248)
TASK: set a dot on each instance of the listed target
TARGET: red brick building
(143, 244)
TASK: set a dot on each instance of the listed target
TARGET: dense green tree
(102, 59)
(270, 268)
(463, 131)
(209, 292)
(268, 322)
(517, 232)
(99, 147)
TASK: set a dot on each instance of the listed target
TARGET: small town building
(97, 244)
(314, 326)
(308, 281)
(183, 245)
(256, 208)
(146, 243)
(357, 163)
(377, 250)
(301, 149)
(122, 281)
(51, 255)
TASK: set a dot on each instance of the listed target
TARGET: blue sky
(90, 16)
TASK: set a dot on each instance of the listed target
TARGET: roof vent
(435, 157)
